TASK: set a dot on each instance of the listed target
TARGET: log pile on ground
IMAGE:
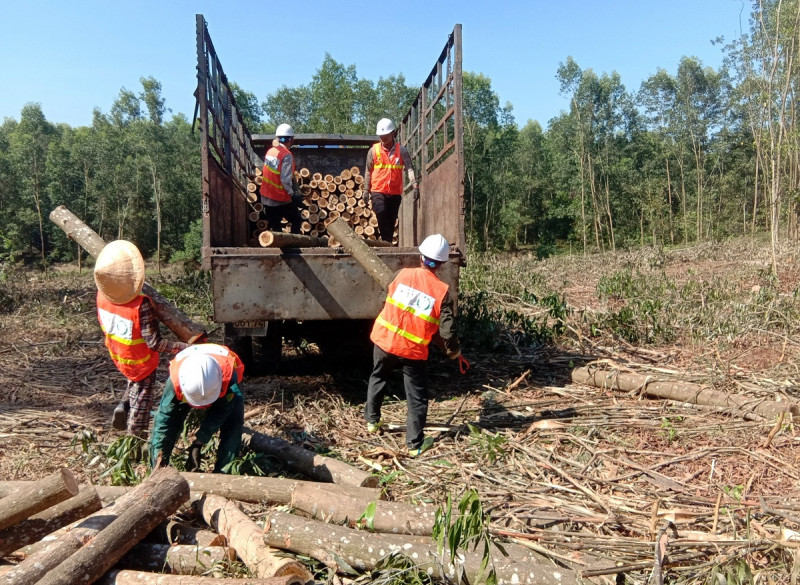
(325, 198)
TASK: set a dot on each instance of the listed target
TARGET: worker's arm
(366, 187)
(217, 413)
(447, 337)
(167, 425)
(408, 163)
(286, 174)
(151, 332)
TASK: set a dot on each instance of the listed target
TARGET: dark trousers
(275, 213)
(415, 380)
(386, 209)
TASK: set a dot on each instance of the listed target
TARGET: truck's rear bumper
(261, 284)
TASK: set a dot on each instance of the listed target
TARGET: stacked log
(325, 198)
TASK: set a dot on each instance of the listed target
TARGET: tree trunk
(187, 330)
(273, 490)
(308, 463)
(49, 558)
(46, 492)
(37, 527)
(140, 578)
(163, 493)
(245, 536)
(178, 559)
(271, 239)
(391, 517)
(362, 550)
(355, 246)
(681, 392)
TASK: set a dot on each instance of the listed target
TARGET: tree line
(697, 155)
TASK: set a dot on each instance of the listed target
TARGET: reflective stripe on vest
(410, 316)
(271, 185)
(387, 171)
(228, 361)
(123, 338)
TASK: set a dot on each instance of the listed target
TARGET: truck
(263, 296)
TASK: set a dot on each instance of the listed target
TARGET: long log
(356, 247)
(680, 391)
(166, 492)
(40, 525)
(184, 328)
(362, 550)
(389, 517)
(245, 536)
(308, 463)
(46, 492)
(178, 559)
(272, 490)
(58, 551)
(142, 578)
(271, 239)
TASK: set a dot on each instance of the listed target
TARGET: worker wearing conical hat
(131, 329)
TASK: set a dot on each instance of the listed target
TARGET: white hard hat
(284, 130)
(200, 378)
(119, 271)
(435, 247)
(385, 126)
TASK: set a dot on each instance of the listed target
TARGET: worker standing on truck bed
(132, 333)
(278, 194)
(418, 309)
(383, 178)
(204, 376)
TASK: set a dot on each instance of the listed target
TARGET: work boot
(427, 443)
(374, 427)
(119, 420)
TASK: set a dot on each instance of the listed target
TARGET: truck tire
(241, 346)
(346, 343)
(267, 350)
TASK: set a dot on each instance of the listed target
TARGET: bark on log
(681, 392)
(58, 551)
(245, 536)
(37, 527)
(357, 248)
(308, 463)
(281, 240)
(389, 517)
(258, 490)
(178, 559)
(142, 578)
(46, 492)
(184, 328)
(165, 493)
(362, 550)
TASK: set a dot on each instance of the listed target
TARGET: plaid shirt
(152, 332)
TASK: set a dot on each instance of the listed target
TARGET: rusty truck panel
(317, 283)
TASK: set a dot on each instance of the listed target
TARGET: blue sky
(74, 56)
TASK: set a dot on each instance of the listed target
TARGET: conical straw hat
(119, 271)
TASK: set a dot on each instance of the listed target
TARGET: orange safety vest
(123, 331)
(227, 360)
(271, 186)
(410, 316)
(387, 172)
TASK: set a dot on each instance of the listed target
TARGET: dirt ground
(590, 477)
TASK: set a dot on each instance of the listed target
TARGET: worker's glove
(416, 193)
(463, 364)
(366, 197)
(195, 457)
(297, 199)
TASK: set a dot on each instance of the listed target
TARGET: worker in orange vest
(418, 309)
(132, 333)
(278, 193)
(203, 377)
(383, 178)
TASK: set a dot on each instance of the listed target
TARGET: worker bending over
(132, 333)
(207, 377)
(418, 308)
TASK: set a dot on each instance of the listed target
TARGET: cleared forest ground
(593, 478)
